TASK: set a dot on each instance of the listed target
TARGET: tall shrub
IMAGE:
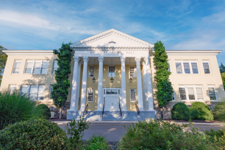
(41, 111)
(165, 90)
(14, 107)
(200, 111)
(219, 112)
(180, 111)
(60, 89)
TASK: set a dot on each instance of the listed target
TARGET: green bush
(200, 111)
(159, 135)
(33, 134)
(217, 137)
(219, 112)
(41, 111)
(75, 130)
(97, 142)
(14, 107)
(180, 111)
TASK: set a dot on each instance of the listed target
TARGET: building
(113, 77)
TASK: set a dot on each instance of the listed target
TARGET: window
(206, 67)
(36, 66)
(112, 70)
(90, 95)
(133, 95)
(55, 66)
(35, 92)
(191, 92)
(50, 90)
(212, 93)
(12, 88)
(132, 71)
(91, 71)
(187, 67)
(179, 68)
(16, 67)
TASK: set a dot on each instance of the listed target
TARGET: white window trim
(190, 66)
(135, 95)
(134, 72)
(33, 62)
(210, 71)
(109, 74)
(15, 64)
(29, 87)
(93, 71)
(214, 91)
(195, 92)
(93, 96)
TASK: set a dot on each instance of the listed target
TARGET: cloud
(26, 19)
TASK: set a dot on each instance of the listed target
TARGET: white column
(144, 85)
(123, 84)
(100, 84)
(139, 84)
(149, 91)
(84, 85)
(73, 102)
(78, 85)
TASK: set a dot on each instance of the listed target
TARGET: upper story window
(187, 67)
(91, 71)
(212, 93)
(55, 66)
(133, 95)
(112, 71)
(191, 92)
(12, 88)
(36, 67)
(16, 67)
(35, 92)
(132, 71)
(206, 67)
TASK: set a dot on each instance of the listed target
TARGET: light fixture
(93, 80)
(130, 75)
(111, 74)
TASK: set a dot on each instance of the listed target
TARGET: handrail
(138, 111)
(85, 110)
(120, 108)
(103, 107)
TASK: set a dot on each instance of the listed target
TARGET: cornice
(28, 52)
(109, 48)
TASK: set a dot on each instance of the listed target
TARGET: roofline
(27, 52)
(194, 51)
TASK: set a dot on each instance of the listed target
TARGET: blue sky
(179, 24)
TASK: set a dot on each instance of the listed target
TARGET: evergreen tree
(165, 90)
(60, 89)
(222, 71)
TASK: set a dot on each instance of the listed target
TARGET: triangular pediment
(112, 38)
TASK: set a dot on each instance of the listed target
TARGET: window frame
(29, 88)
(190, 66)
(135, 95)
(92, 94)
(15, 64)
(53, 66)
(33, 63)
(109, 74)
(212, 86)
(195, 92)
(9, 90)
(130, 71)
(210, 71)
(89, 71)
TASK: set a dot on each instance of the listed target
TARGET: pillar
(100, 84)
(84, 85)
(123, 85)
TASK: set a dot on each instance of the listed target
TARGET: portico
(120, 65)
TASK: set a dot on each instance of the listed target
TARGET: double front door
(112, 99)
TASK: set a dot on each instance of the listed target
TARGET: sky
(179, 24)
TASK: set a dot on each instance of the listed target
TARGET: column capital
(122, 59)
(76, 58)
(85, 59)
(146, 59)
(100, 58)
(137, 59)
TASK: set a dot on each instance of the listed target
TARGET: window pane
(25, 89)
(191, 93)
(33, 92)
(41, 90)
(132, 74)
(44, 71)
(194, 68)
(90, 94)
(28, 70)
(179, 68)
(29, 66)
(199, 93)
(114, 91)
(44, 67)
(187, 68)
(37, 70)
(50, 90)
(91, 71)
(206, 67)
(212, 93)
(37, 67)
(12, 88)
(133, 95)
(111, 71)
(16, 70)
(55, 66)
(182, 93)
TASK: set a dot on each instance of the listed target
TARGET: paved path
(113, 132)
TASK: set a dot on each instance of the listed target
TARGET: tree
(222, 71)
(3, 58)
(60, 89)
(164, 93)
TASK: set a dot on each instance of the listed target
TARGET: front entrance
(112, 99)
